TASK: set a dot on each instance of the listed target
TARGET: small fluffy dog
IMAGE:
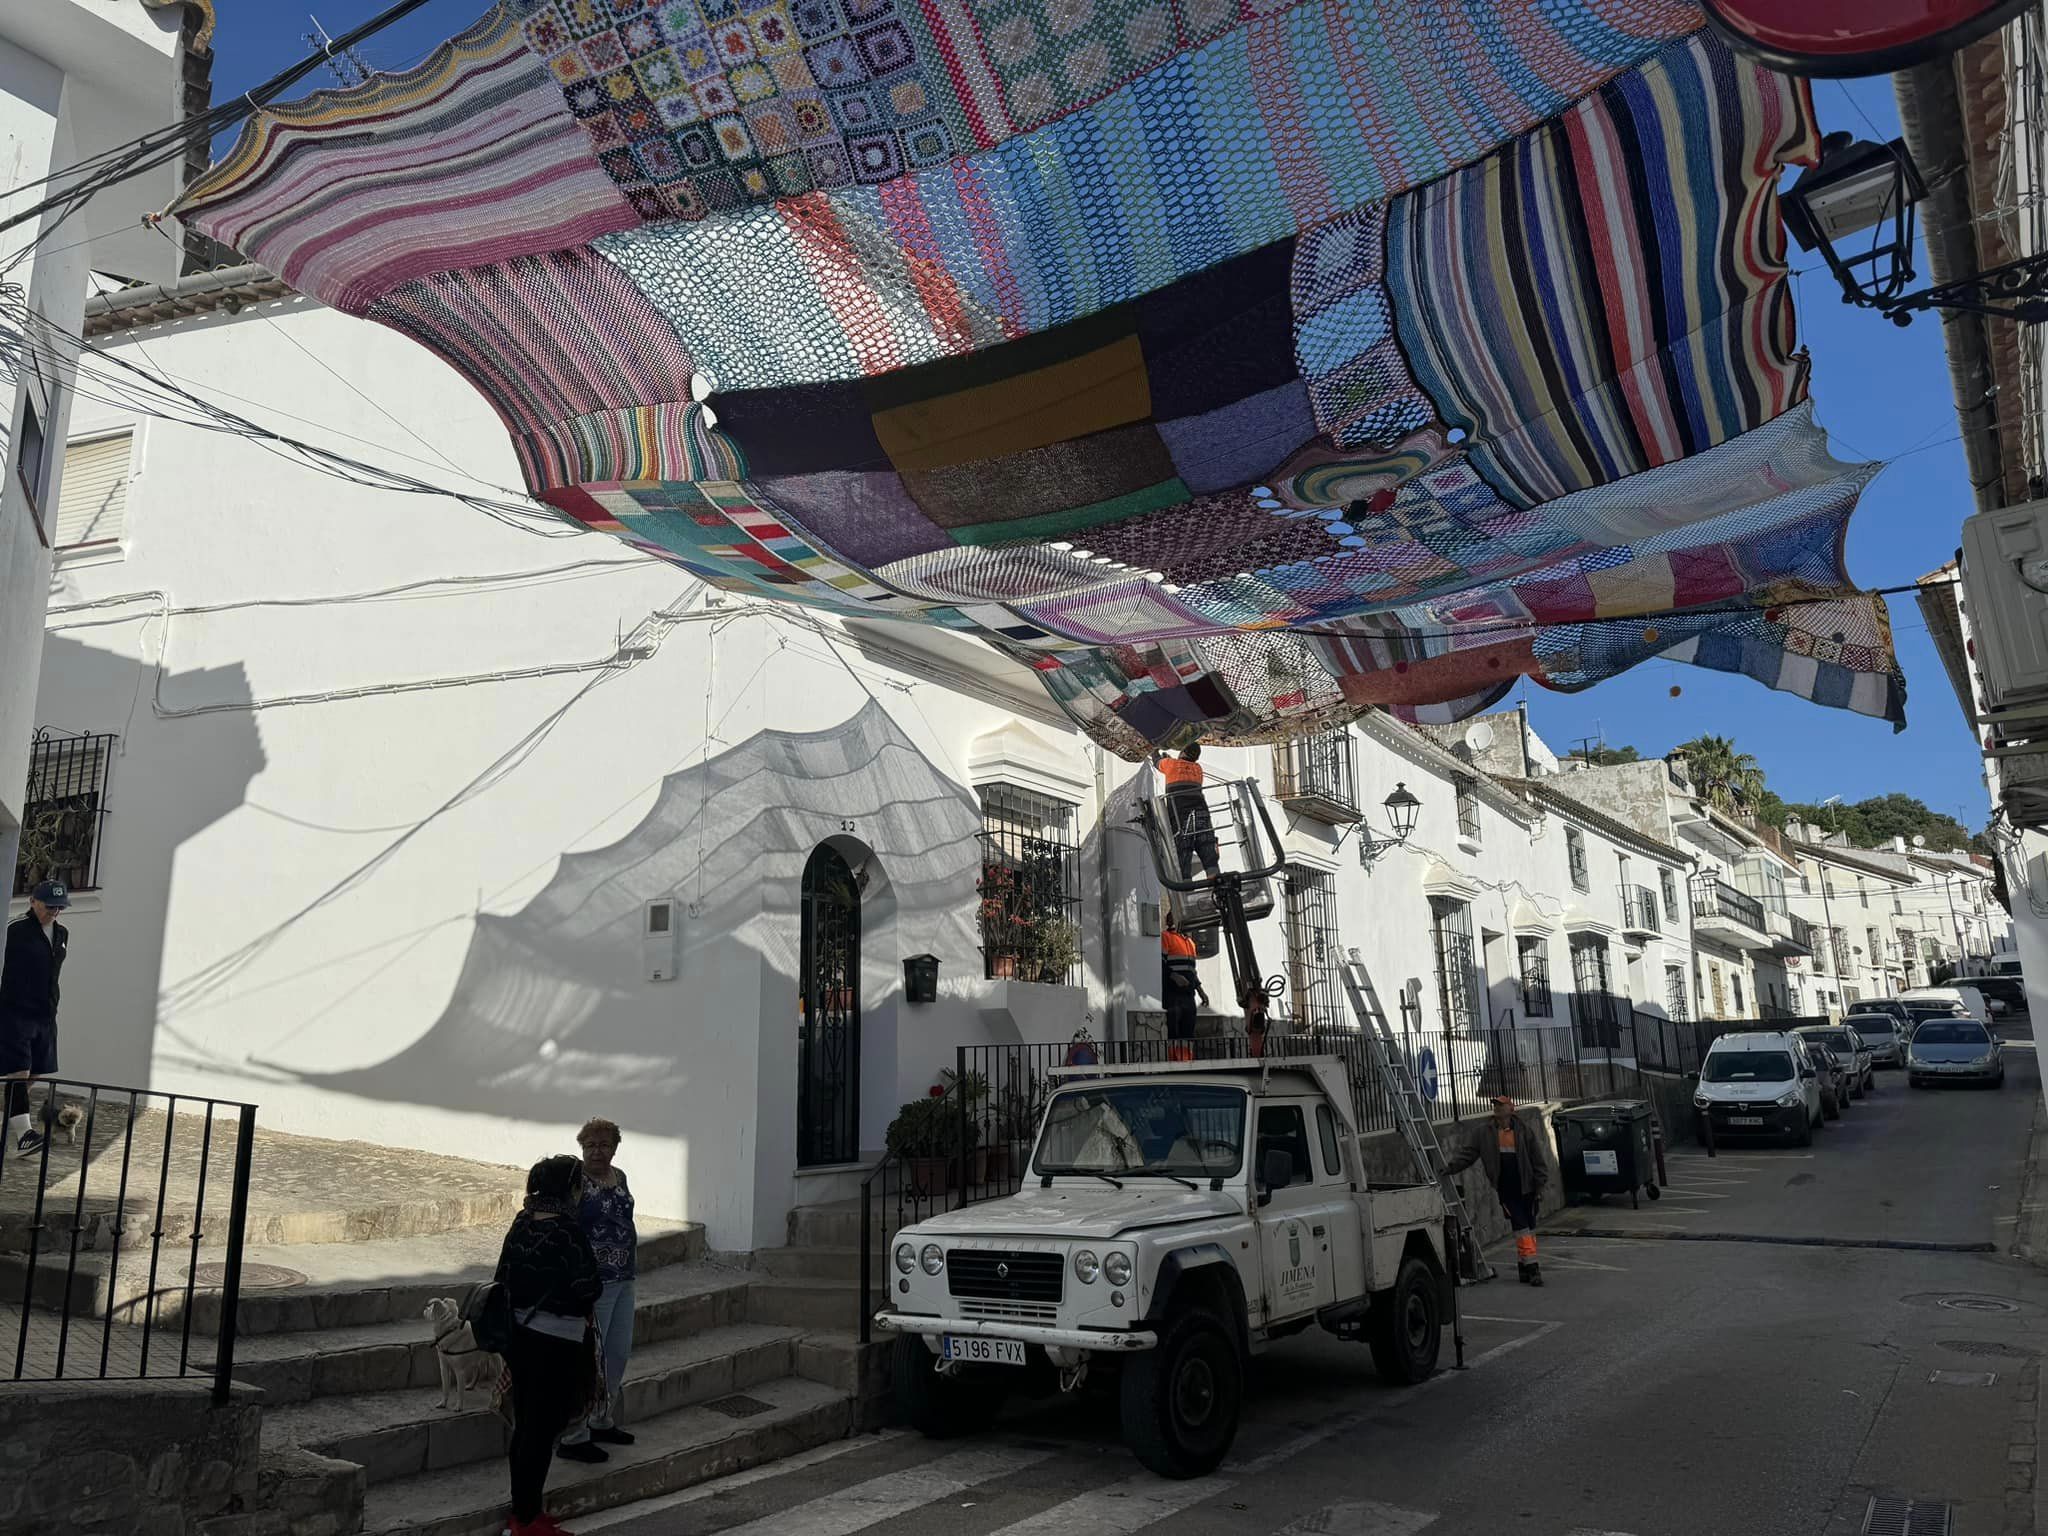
(464, 1366)
(69, 1118)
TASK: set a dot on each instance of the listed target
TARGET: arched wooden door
(828, 1027)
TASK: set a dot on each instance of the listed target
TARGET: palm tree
(1726, 779)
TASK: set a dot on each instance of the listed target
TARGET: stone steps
(675, 1450)
(405, 1433)
(669, 1302)
(816, 1305)
(840, 1265)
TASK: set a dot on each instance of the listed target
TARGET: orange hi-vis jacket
(1179, 773)
(1176, 946)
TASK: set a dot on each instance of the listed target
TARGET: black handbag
(488, 1311)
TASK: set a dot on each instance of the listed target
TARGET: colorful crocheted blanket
(1236, 364)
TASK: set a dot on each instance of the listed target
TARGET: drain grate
(1962, 1378)
(1988, 1347)
(255, 1277)
(741, 1406)
(1890, 1516)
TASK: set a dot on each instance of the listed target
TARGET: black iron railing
(1030, 911)
(1318, 774)
(893, 1196)
(1639, 909)
(1717, 898)
(63, 810)
(94, 1225)
(1802, 931)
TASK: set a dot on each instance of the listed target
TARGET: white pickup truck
(1174, 1220)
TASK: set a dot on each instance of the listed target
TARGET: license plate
(1745, 1119)
(977, 1351)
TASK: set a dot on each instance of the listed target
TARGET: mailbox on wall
(921, 979)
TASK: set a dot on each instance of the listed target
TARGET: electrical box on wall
(661, 946)
(2005, 568)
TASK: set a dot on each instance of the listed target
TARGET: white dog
(464, 1366)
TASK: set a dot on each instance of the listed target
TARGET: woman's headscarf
(551, 1185)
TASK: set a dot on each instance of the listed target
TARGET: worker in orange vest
(1513, 1160)
(1181, 985)
(1194, 832)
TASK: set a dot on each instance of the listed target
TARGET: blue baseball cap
(54, 894)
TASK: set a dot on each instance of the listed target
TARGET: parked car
(1834, 1079)
(1957, 1050)
(1882, 1034)
(2009, 990)
(1963, 994)
(1849, 1045)
(1918, 1013)
(1760, 1084)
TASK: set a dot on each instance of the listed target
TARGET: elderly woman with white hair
(605, 1213)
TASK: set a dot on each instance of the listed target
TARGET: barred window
(1669, 883)
(1312, 948)
(1575, 854)
(1593, 1001)
(1674, 992)
(1468, 808)
(1457, 974)
(63, 811)
(1534, 955)
(1030, 886)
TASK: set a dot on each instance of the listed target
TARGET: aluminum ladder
(1411, 1113)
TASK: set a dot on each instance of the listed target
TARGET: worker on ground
(1194, 834)
(1513, 1160)
(1181, 985)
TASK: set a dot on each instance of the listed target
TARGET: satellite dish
(1919, 840)
(1480, 737)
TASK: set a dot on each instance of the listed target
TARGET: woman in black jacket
(550, 1277)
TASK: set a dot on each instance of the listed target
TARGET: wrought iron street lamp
(1402, 809)
(1862, 186)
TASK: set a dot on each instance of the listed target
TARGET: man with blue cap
(29, 970)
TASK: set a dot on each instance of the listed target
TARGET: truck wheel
(1407, 1325)
(1181, 1400)
(940, 1407)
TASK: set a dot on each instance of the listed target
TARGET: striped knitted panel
(668, 442)
(469, 158)
(1608, 293)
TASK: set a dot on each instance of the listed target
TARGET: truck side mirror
(1276, 1171)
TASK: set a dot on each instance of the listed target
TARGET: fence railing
(106, 1222)
(63, 810)
(1319, 773)
(1639, 909)
(1717, 898)
(1597, 1017)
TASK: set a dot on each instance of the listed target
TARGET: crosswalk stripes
(896, 1493)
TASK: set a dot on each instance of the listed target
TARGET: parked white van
(1962, 994)
(1761, 1084)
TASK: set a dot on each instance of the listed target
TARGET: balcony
(1318, 776)
(1790, 934)
(1719, 911)
(1639, 910)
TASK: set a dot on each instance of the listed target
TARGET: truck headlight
(1788, 1100)
(1701, 1101)
(933, 1259)
(906, 1258)
(1087, 1266)
(1118, 1268)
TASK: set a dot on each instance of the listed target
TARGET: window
(1827, 882)
(1312, 948)
(1669, 883)
(1534, 956)
(1862, 894)
(1898, 906)
(1621, 869)
(1876, 948)
(1282, 1128)
(1593, 1008)
(1030, 911)
(1318, 776)
(92, 501)
(1457, 977)
(1468, 808)
(63, 810)
(1674, 992)
(1720, 992)
(1741, 1009)
(1326, 1128)
(1575, 855)
(31, 461)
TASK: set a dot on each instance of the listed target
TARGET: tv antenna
(346, 66)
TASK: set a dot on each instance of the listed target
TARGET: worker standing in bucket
(1513, 1160)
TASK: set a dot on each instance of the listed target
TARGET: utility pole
(1948, 885)
(1828, 911)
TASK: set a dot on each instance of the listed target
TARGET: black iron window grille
(1030, 887)
(1312, 948)
(1468, 808)
(1457, 970)
(64, 811)
(1575, 855)
(1318, 775)
(1534, 955)
(1669, 884)
(1639, 909)
(1593, 1005)
(1674, 992)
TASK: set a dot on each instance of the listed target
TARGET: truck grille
(1012, 1311)
(1001, 1275)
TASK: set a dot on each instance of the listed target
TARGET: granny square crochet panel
(1236, 365)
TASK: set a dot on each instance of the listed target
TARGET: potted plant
(1018, 1107)
(969, 1094)
(1054, 949)
(926, 1135)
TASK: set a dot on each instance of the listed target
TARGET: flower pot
(929, 1174)
(1006, 967)
(839, 1000)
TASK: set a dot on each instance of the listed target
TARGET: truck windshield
(1747, 1067)
(1186, 1130)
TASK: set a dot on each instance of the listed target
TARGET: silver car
(1955, 1050)
(1859, 1068)
(1880, 1034)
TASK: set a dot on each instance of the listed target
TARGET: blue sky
(1881, 391)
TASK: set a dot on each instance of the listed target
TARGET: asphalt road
(1657, 1386)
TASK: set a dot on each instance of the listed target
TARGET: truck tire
(1407, 1325)
(1181, 1400)
(940, 1407)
